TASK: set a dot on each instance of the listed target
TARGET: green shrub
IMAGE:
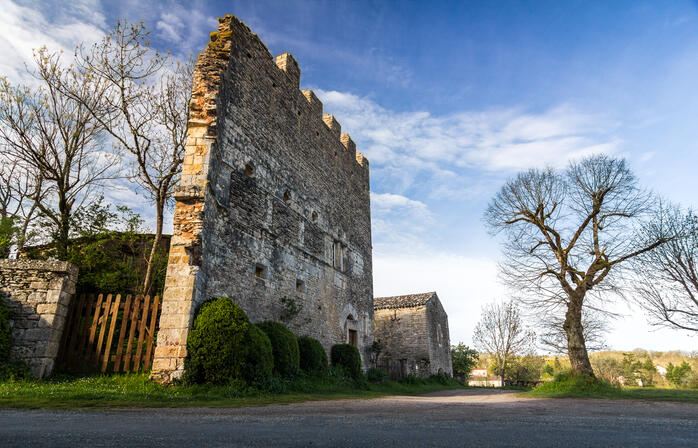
(313, 358)
(285, 347)
(5, 333)
(376, 375)
(259, 362)
(413, 380)
(568, 384)
(440, 378)
(14, 370)
(347, 356)
(223, 346)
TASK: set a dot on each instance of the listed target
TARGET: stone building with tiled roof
(414, 331)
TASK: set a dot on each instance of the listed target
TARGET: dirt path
(451, 418)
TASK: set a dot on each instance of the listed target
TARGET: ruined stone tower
(273, 206)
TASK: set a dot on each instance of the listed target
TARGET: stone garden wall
(38, 294)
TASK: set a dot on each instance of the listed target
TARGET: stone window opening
(339, 254)
(260, 272)
(300, 286)
(313, 216)
(249, 170)
(287, 196)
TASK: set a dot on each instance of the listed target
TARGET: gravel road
(452, 418)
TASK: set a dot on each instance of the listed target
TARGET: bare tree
(145, 107)
(553, 337)
(501, 333)
(18, 185)
(568, 236)
(667, 284)
(55, 136)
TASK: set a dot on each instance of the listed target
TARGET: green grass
(569, 386)
(136, 390)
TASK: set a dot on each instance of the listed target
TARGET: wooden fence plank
(67, 327)
(93, 329)
(73, 344)
(141, 334)
(122, 333)
(84, 351)
(131, 333)
(100, 333)
(151, 333)
(112, 326)
(104, 317)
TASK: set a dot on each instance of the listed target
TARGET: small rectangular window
(339, 255)
(260, 271)
(300, 286)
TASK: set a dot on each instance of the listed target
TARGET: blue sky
(447, 100)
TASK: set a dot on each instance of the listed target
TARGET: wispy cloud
(25, 28)
(405, 147)
(183, 28)
(398, 222)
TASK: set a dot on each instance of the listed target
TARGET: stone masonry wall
(38, 293)
(403, 332)
(439, 338)
(273, 206)
(416, 339)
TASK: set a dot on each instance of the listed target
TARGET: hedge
(313, 358)
(223, 345)
(347, 356)
(284, 346)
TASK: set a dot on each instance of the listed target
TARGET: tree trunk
(579, 358)
(62, 240)
(160, 206)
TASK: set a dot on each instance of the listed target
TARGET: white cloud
(170, 27)
(26, 28)
(184, 27)
(399, 223)
(405, 146)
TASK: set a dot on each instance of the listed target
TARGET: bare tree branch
(567, 238)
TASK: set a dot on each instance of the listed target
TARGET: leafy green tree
(8, 234)
(678, 375)
(608, 368)
(525, 369)
(464, 360)
(636, 371)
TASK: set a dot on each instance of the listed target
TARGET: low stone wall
(38, 294)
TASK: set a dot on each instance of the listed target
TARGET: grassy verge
(135, 390)
(568, 386)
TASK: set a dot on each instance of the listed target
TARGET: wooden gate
(109, 333)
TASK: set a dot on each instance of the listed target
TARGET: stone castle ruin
(273, 207)
(273, 211)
